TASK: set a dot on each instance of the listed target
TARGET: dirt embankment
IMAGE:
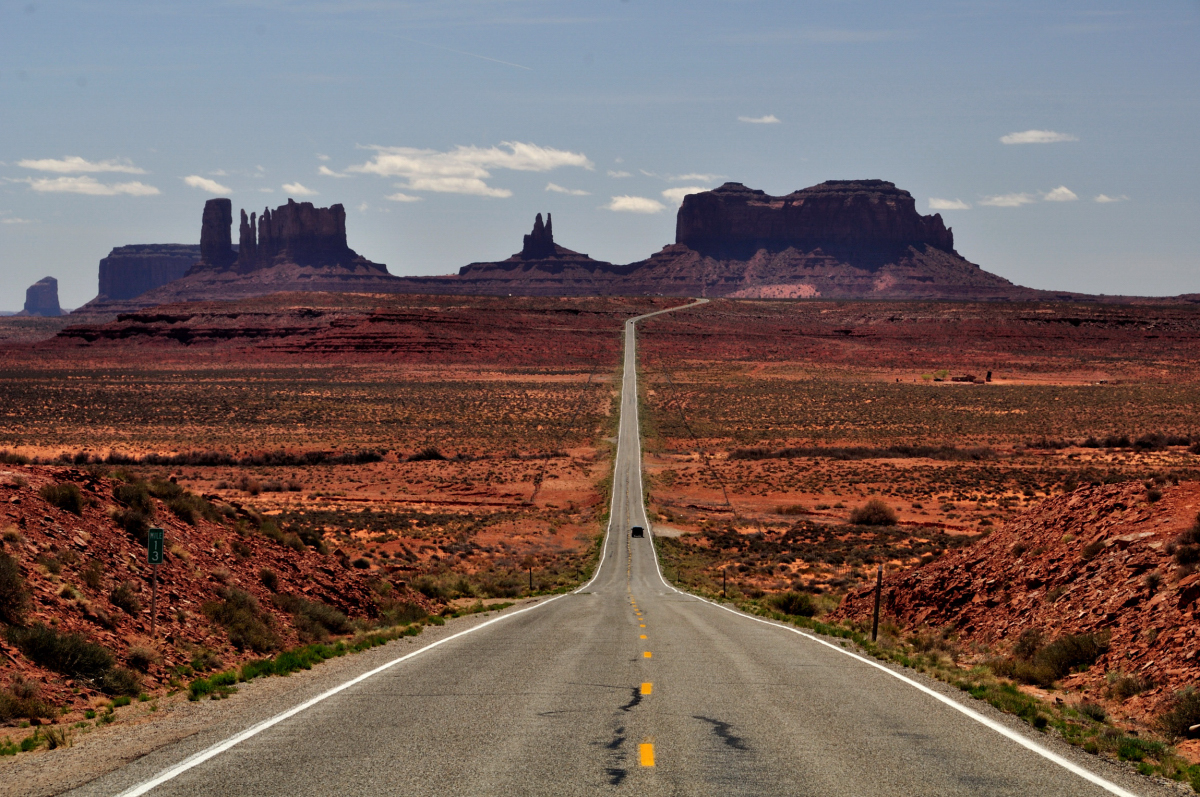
(1102, 559)
(83, 573)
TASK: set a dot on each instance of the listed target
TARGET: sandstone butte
(1077, 563)
(842, 239)
(41, 298)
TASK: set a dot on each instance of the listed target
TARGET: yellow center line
(646, 654)
(643, 636)
(646, 753)
(647, 688)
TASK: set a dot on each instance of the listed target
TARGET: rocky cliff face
(865, 223)
(41, 298)
(296, 233)
(216, 248)
(296, 247)
(130, 271)
(539, 244)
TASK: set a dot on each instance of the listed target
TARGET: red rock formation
(216, 248)
(539, 244)
(130, 271)
(1077, 563)
(41, 298)
(861, 222)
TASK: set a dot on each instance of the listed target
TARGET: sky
(1058, 140)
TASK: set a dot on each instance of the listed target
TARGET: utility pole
(724, 577)
(878, 591)
(154, 556)
(531, 579)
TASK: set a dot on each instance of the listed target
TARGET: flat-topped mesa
(129, 271)
(865, 222)
(539, 244)
(296, 233)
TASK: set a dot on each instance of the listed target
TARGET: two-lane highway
(630, 687)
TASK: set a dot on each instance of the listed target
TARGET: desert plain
(337, 466)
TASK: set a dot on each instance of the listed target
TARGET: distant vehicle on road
(637, 531)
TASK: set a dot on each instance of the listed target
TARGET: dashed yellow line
(643, 636)
(646, 753)
(646, 654)
(647, 688)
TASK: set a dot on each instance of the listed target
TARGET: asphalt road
(629, 687)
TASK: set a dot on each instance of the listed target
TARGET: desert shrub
(1035, 663)
(220, 685)
(239, 614)
(69, 654)
(399, 613)
(427, 455)
(269, 578)
(1091, 549)
(1122, 686)
(134, 522)
(136, 496)
(204, 660)
(270, 529)
(190, 507)
(66, 497)
(294, 542)
(124, 597)
(120, 681)
(796, 604)
(1152, 581)
(240, 549)
(1187, 545)
(314, 621)
(1181, 716)
(362, 563)
(12, 458)
(93, 574)
(1093, 711)
(873, 513)
(21, 700)
(142, 657)
(164, 490)
(14, 597)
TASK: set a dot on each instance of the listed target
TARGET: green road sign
(154, 547)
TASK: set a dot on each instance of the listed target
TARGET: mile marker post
(878, 590)
(154, 556)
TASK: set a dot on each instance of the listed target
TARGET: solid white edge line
(196, 759)
(204, 755)
(987, 722)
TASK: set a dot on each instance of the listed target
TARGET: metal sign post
(154, 555)
(878, 591)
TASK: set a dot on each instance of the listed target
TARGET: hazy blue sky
(444, 126)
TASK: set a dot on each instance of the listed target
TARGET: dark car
(637, 531)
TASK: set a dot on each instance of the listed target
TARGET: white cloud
(73, 164)
(1008, 200)
(89, 186)
(321, 157)
(15, 220)
(399, 197)
(694, 177)
(558, 189)
(947, 204)
(1106, 198)
(769, 119)
(325, 171)
(463, 170)
(298, 190)
(1037, 137)
(363, 207)
(612, 173)
(205, 184)
(634, 204)
(676, 195)
(266, 190)
(1060, 194)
